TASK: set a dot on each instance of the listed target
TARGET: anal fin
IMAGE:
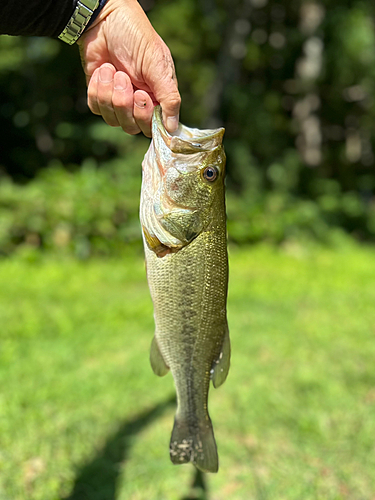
(221, 366)
(158, 364)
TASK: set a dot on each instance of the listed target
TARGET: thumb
(170, 105)
(168, 96)
(164, 87)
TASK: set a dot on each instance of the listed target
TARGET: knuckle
(174, 101)
(119, 101)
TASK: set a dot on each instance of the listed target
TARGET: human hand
(128, 69)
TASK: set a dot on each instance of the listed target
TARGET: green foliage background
(292, 82)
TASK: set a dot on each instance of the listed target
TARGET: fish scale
(187, 279)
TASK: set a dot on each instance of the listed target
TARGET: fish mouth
(186, 140)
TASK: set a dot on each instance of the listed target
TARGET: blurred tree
(43, 111)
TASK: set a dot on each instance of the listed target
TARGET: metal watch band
(79, 20)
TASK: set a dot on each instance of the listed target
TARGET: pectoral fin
(221, 366)
(183, 224)
(157, 361)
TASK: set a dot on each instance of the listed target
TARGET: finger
(123, 101)
(104, 94)
(92, 93)
(143, 108)
(163, 84)
(171, 110)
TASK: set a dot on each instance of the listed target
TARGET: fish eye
(210, 173)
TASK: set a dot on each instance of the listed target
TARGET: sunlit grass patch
(83, 416)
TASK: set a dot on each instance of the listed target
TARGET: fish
(183, 220)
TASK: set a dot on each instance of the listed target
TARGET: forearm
(35, 17)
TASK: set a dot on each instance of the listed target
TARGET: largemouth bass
(183, 220)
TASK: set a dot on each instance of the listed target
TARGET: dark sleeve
(35, 17)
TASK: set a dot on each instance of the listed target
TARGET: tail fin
(194, 444)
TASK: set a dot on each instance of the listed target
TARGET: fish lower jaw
(156, 246)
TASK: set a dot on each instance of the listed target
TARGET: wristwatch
(79, 20)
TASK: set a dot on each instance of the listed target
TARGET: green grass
(83, 417)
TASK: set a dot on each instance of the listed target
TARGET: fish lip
(158, 118)
(212, 138)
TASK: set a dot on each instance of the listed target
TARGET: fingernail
(120, 83)
(140, 103)
(172, 123)
(105, 75)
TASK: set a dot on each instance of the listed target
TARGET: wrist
(84, 15)
(96, 14)
(107, 7)
(83, 11)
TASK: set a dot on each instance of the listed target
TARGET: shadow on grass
(198, 489)
(98, 479)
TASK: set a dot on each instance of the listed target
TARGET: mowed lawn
(82, 416)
